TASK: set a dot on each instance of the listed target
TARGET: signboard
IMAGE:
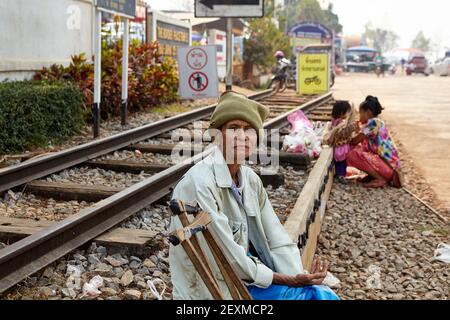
(218, 38)
(170, 33)
(306, 33)
(229, 8)
(126, 8)
(313, 73)
(198, 72)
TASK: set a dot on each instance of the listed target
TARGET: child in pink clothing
(338, 136)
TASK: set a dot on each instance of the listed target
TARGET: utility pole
(97, 73)
(125, 42)
(229, 78)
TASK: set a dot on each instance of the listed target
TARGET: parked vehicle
(416, 64)
(441, 67)
(359, 59)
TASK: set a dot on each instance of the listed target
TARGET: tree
(383, 40)
(264, 38)
(421, 42)
(308, 10)
(331, 19)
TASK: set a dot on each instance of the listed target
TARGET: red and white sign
(198, 81)
(197, 58)
(198, 72)
(219, 39)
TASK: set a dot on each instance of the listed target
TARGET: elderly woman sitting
(243, 221)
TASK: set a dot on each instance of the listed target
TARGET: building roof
(362, 49)
(171, 5)
(189, 17)
(208, 23)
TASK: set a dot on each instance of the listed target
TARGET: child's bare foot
(341, 180)
(376, 183)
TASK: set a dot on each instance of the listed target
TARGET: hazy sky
(405, 17)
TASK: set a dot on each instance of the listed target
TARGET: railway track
(111, 204)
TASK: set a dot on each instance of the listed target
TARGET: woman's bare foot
(365, 179)
(376, 183)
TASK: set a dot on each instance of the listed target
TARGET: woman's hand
(318, 273)
(357, 139)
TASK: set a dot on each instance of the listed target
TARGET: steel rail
(27, 256)
(30, 170)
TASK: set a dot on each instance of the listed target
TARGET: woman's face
(364, 115)
(239, 141)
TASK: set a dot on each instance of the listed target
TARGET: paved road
(419, 109)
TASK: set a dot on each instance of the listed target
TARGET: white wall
(37, 33)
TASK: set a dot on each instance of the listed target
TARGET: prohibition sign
(197, 58)
(198, 81)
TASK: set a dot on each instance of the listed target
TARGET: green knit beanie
(235, 106)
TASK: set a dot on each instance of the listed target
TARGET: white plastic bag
(303, 138)
(91, 288)
(442, 253)
(331, 281)
(73, 270)
(154, 291)
(304, 142)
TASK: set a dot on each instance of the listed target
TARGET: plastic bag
(303, 143)
(73, 270)
(303, 139)
(373, 280)
(442, 253)
(154, 291)
(91, 288)
(331, 281)
(298, 120)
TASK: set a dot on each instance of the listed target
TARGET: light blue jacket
(208, 184)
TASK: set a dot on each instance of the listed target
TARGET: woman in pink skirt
(375, 152)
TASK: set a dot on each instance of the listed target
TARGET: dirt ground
(417, 110)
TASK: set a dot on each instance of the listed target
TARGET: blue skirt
(279, 292)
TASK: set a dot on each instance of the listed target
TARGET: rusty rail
(27, 256)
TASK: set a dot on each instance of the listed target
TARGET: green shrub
(152, 79)
(35, 114)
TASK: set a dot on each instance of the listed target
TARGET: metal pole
(229, 79)
(123, 107)
(97, 72)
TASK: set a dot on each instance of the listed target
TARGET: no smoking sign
(198, 72)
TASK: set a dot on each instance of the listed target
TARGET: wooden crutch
(184, 237)
(178, 208)
(235, 285)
